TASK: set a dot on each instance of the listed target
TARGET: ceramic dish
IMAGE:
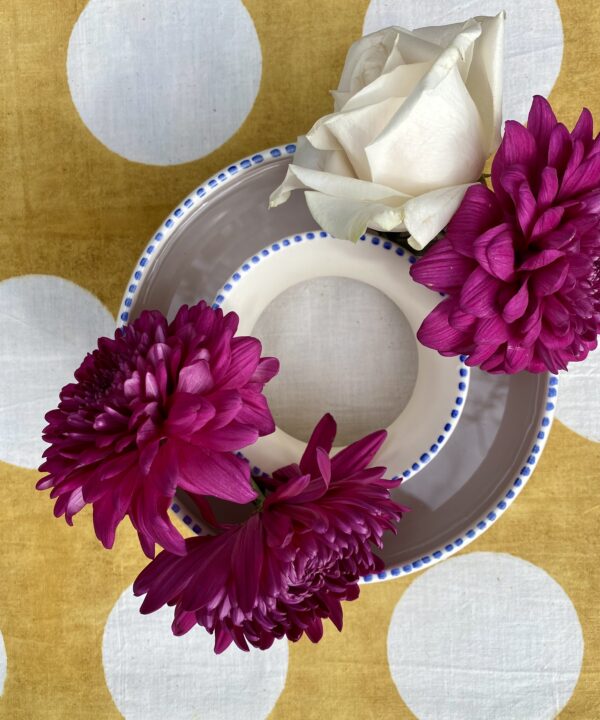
(505, 421)
(438, 396)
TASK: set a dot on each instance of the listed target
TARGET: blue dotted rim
(149, 255)
(485, 521)
(199, 195)
(425, 456)
(497, 509)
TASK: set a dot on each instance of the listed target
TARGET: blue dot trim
(205, 190)
(494, 513)
(181, 211)
(463, 371)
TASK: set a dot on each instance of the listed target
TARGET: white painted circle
(485, 635)
(152, 675)
(533, 39)
(439, 388)
(580, 397)
(2, 664)
(47, 326)
(167, 81)
(324, 332)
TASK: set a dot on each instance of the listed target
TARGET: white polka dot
(579, 397)
(47, 325)
(167, 81)
(485, 636)
(533, 39)
(153, 675)
(2, 664)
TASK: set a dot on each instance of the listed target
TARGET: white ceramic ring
(439, 394)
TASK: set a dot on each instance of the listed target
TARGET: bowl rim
(457, 387)
(180, 213)
(494, 510)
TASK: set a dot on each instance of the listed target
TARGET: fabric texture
(80, 194)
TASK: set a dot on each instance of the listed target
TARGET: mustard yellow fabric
(72, 208)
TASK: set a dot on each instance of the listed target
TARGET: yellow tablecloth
(73, 208)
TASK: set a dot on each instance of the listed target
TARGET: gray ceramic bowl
(505, 421)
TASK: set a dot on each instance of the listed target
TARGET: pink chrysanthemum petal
(531, 300)
(157, 407)
(436, 331)
(540, 123)
(478, 294)
(288, 567)
(495, 252)
(322, 436)
(446, 271)
(481, 211)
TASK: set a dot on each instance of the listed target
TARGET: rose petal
(349, 219)
(355, 129)
(346, 188)
(379, 53)
(397, 83)
(484, 81)
(426, 215)
(364, 61)
(438, 117)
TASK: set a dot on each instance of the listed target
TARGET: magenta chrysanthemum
(158, 407)
(290, 564)
(521, 264)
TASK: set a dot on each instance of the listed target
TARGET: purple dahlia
(159, 407)
(521, 264)
(287, 567)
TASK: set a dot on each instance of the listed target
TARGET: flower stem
(258, 503)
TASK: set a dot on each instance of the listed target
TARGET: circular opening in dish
(345, 348)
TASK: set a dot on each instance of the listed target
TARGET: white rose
(416, 115)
